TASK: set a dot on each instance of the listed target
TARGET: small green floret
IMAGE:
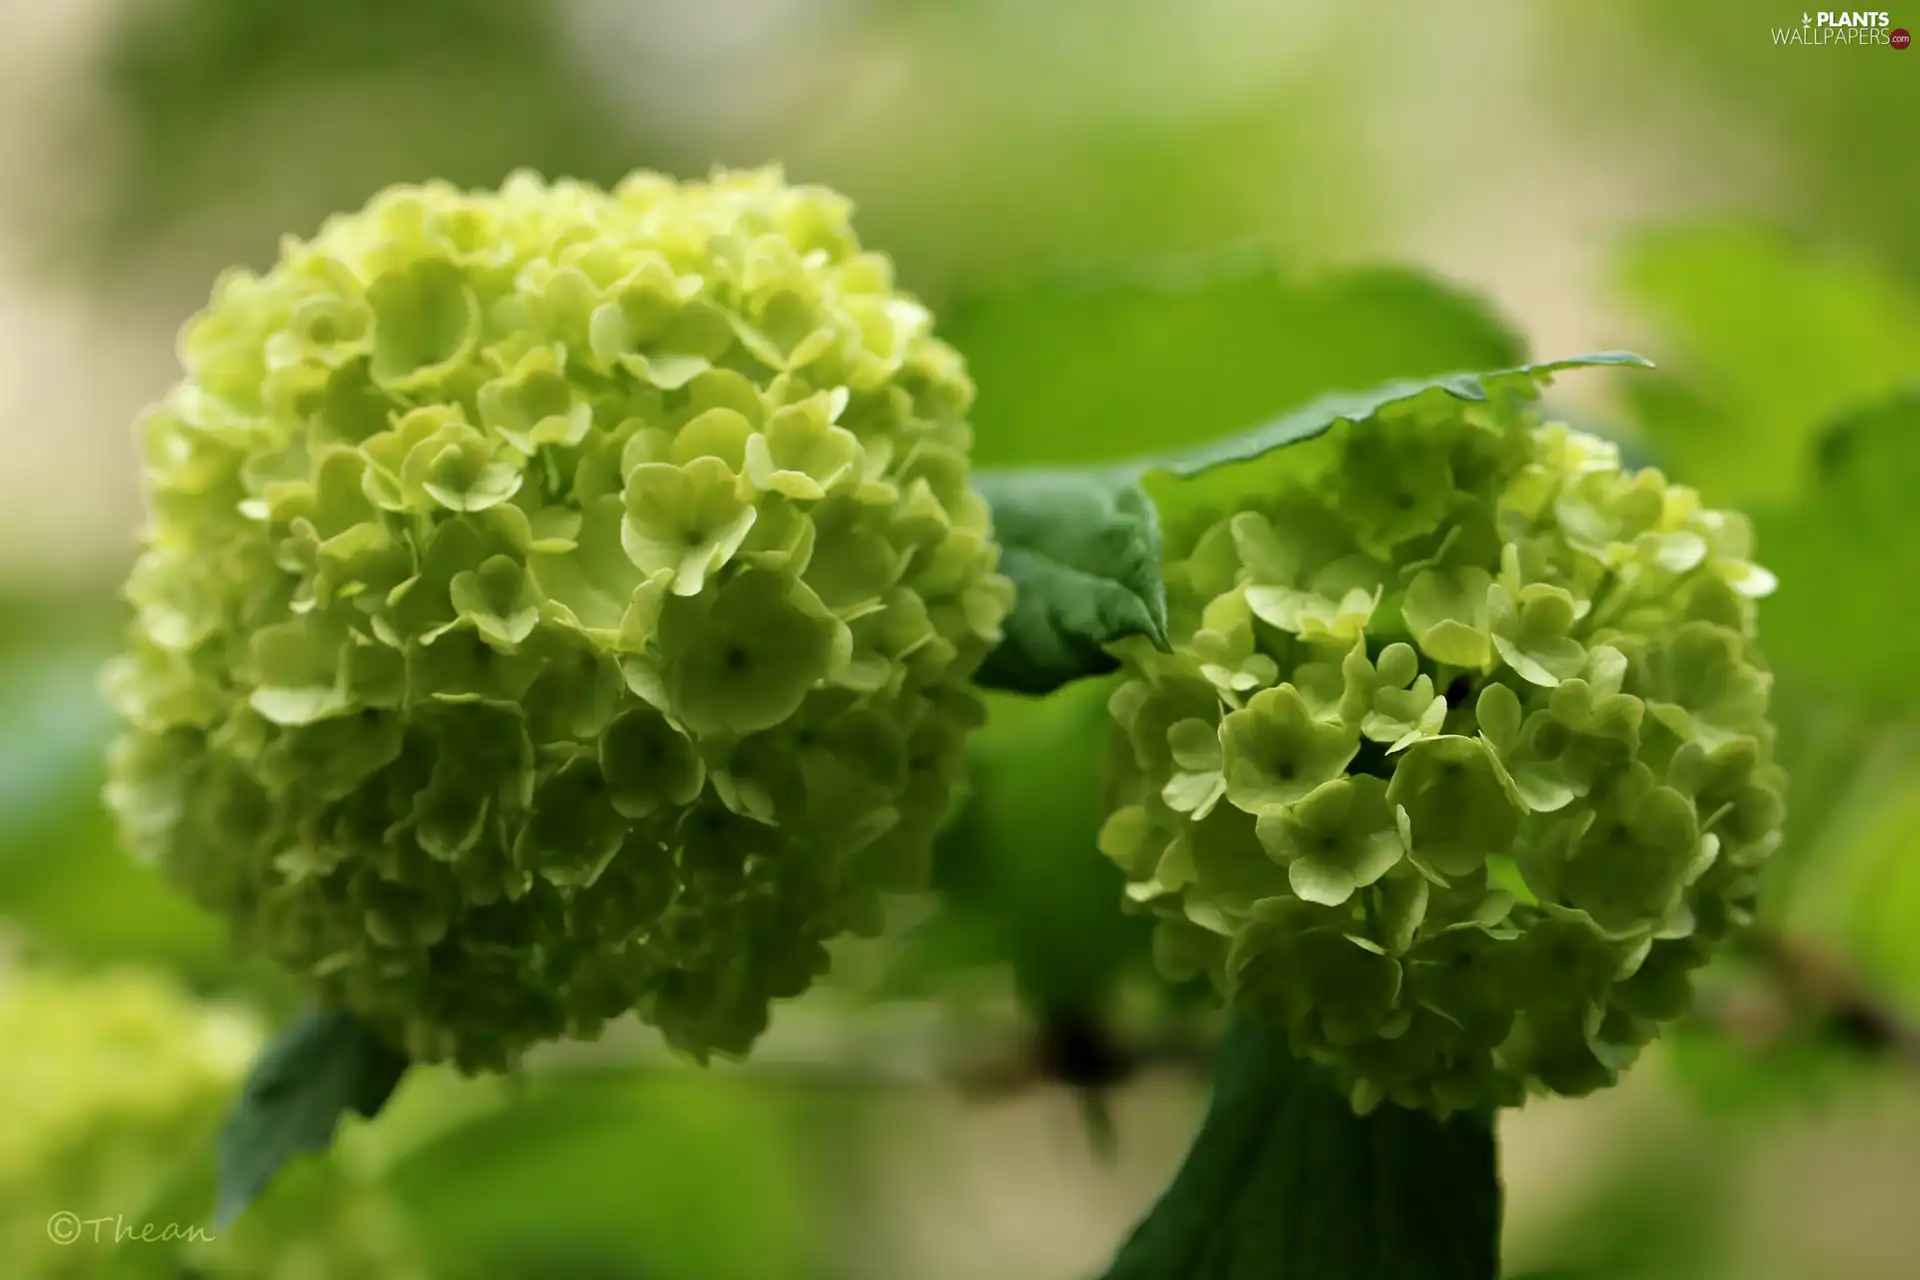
(556, 603)
(1460, 765)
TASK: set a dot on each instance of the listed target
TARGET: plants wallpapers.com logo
(1844, 30)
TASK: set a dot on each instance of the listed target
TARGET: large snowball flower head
(1459, 766)
(556, 603)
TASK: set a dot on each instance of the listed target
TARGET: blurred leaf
(284, 110)
(1019, 870)
(1083, 551)
(1825, 744)
(1285, 1181)
(1843, 618)
(53, 727)
(1825, 120)
(663, 1175)
(324, 1063)
(1864, 896)
(1804, 1068)
(1763, 341)
(1124, 361)
(1661, 1209)
(63, 876)
(183, 1201)
(1131, 143)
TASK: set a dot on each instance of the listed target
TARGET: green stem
(1286, 1183)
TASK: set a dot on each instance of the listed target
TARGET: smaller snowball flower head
(1459, 766)
(105, 1080)
(110, 1081)
(556, 603)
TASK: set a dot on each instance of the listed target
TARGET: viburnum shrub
(556, 603)
(1459, 765)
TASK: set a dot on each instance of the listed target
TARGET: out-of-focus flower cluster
(557, 603)
(110, 1087)
(1460, 764)
(104, 1082)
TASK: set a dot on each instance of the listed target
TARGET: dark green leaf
(1286, 1183)
(324, 1063)
(1083, 550)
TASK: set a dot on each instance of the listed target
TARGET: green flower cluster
(106, 1079)
(556, 603)
(1460, 764)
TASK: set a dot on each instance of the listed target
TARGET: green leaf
(616, 1172)
(1019, 872)
(1842, 618)
(1122, 360)
(1286, 1183)
(1083, 550)
(64, 879)
(1664, 1204)
(1859, 899)
(53, 726)
(1770, 339)
(1126, 360)
(1323, 414)
(324, 1063)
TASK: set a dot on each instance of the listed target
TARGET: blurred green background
(1145, 221)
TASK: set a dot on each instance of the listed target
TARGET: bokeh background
(1660, 175)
